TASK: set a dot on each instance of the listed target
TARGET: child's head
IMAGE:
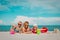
(26, 24)
(19, 23)
(35, 26)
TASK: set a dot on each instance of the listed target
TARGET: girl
(26, 28)
(34, 29)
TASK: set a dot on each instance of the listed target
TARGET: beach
(42, 36)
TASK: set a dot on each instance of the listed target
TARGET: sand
(43, 36)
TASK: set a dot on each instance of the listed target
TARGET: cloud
(1, 21)
(48, 5)
(39, 20)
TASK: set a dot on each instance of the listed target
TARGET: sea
(4, 28)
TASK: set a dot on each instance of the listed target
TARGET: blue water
(50, 27)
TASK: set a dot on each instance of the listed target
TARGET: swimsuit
(33, 31)
(16, 31)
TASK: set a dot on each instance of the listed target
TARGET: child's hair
(26, 22)
(19, 22)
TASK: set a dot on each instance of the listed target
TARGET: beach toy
(12, 31)
(38, 31)
(44, 30)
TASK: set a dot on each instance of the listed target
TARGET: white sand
(42, 36)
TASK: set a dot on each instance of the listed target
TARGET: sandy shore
(42, 36)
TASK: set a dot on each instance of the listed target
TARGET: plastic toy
(38, 31)
(12, 31)
(44, 30)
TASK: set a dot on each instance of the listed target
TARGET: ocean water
(50, 27)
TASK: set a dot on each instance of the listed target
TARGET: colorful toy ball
(44, 30)
(12, 31)
(38, 31)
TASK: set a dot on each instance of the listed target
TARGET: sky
(41, 12)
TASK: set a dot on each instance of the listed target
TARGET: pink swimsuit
(12, 31)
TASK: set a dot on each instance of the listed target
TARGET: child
(18, 28)
(26, 28)
(34, 29)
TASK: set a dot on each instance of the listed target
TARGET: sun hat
(35, 25)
